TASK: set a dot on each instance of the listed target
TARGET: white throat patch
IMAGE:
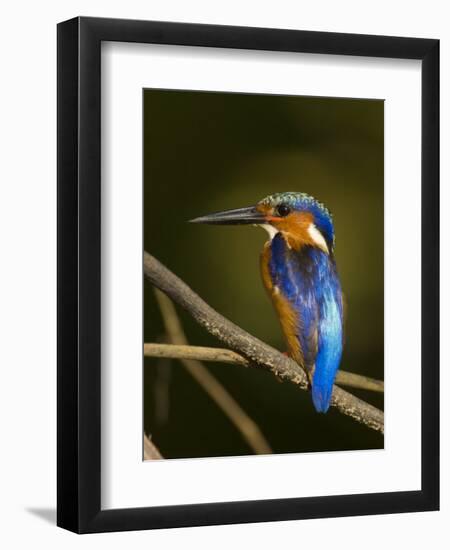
(317, 237)
(270, 229)
(313, 232)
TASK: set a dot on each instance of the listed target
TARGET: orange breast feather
(289, 318)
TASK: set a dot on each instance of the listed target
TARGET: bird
(299, 272)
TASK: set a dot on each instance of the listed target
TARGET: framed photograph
(248, 255)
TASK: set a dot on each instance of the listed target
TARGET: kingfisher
(299, 272)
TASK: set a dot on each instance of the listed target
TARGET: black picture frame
(79, 280)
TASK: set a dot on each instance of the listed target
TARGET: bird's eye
(283, 210)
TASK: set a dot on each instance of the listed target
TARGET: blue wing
(308, 279)
(330, 344)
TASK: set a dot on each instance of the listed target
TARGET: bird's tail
(323, 380)
(321, 392)
(328, 357)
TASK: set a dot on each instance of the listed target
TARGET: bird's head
(300, 218)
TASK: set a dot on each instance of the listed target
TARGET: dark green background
(205, 152)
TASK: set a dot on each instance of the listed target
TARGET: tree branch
(218, 355)
(247, 427)
(151, 452)
(250, 347)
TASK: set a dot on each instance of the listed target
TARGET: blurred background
(209, 151)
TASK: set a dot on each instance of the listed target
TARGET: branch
(151, 452)
(218, 393)
(218, 355)
(250, 347)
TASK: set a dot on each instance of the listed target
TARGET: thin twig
(151, 452)
(220, 355)
(353, 380)
(246, 426)
(250, 347)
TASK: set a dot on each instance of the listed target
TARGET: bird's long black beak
(238, 216)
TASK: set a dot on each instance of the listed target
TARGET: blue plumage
(307, 278)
